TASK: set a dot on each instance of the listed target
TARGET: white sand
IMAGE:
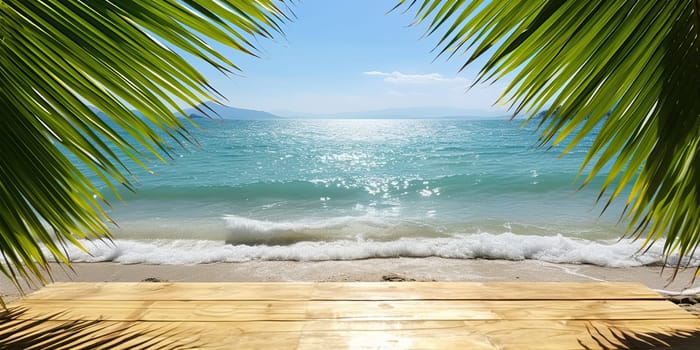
(419, 269)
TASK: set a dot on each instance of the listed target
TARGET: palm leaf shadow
(18, 332)
(615, 338)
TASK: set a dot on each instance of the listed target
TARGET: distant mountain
(543, 113)
(226, 112)
(104, 116)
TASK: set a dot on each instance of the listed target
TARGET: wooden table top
(398, 315)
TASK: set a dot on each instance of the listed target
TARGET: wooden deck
(405, 315)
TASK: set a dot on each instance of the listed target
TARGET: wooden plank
(483, 291)
(347, 291)
(509, 334)
(246, 310)
(95, 334)
(155, 335)
(506, 334)
(174, 291)
(495, 310)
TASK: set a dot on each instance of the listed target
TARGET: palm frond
(57, 58)
(629, 68)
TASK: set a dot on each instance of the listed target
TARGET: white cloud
(401, 78)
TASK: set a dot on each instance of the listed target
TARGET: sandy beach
(369, 270)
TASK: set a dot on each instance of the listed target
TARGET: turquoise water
(351, 189)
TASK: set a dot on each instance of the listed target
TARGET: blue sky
(350, 56)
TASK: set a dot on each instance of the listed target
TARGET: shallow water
(352, 189)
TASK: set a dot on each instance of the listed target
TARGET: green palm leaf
(629, 67)
(56, 58)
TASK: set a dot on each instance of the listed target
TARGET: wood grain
(347, 291)
(246, 310)
(505, 334)
(483, 291)
(421, 315)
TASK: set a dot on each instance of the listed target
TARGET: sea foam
(508, 246)
(243, 230)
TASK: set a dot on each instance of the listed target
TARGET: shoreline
(368, 270)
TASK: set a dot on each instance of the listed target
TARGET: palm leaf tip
(627, 69)
(55, 59)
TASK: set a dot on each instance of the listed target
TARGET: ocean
(315, 190)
